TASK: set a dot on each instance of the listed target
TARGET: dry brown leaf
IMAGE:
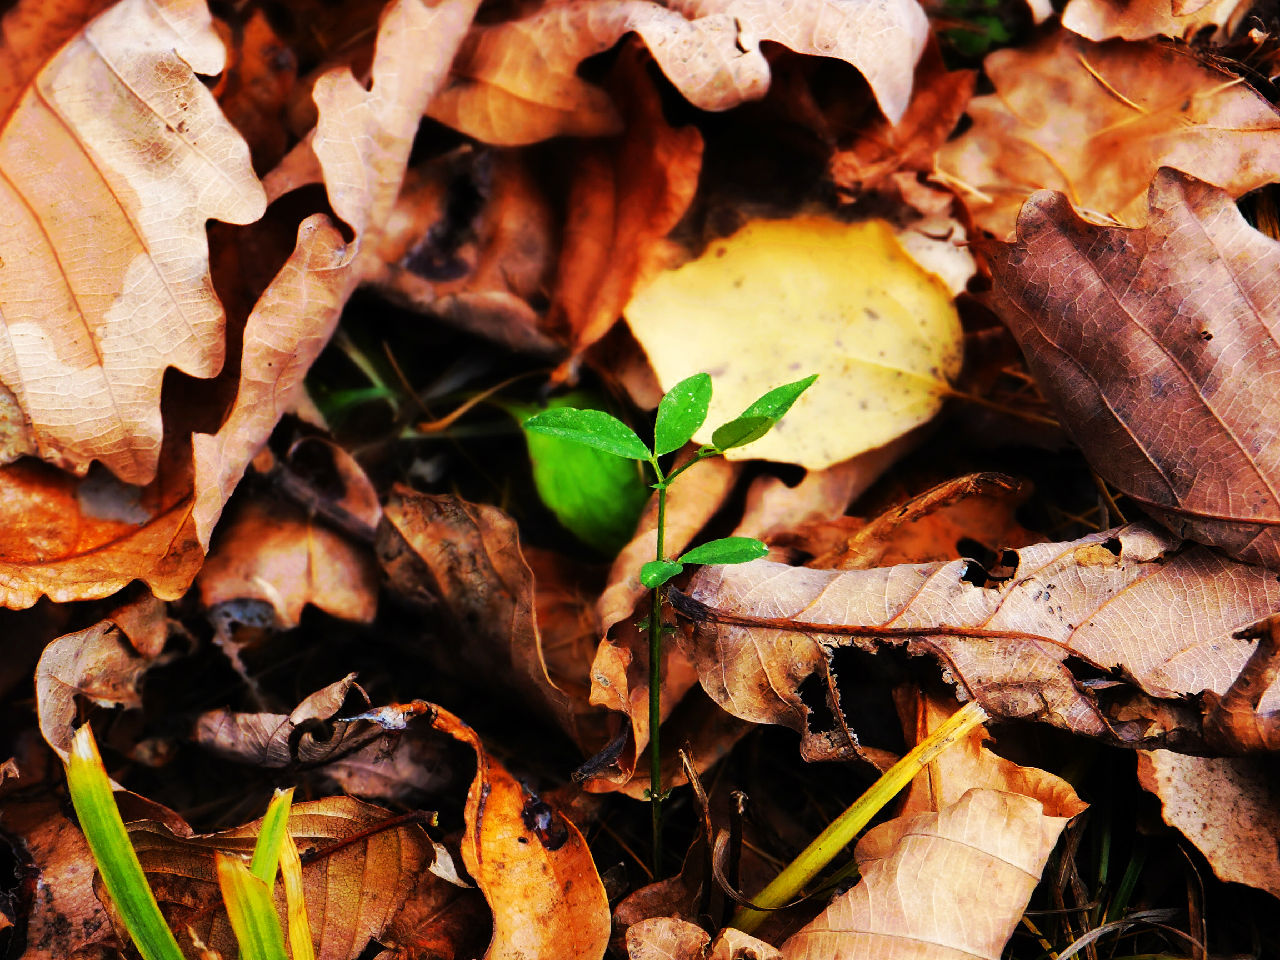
(1097, 120)
(439, 921)
(103, 664)
(66, 920)
(1226, 806)
(256, 87)
(273, 552)
(666, 938)
(517, 82)
(31, 31)
(732, 944)
(98, 305)
(1158, 349)
(1158, 614)
(531, 864)
(627, 194)
(1139, 19)
(353, 890)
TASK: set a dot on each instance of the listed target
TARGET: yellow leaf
(781, 299)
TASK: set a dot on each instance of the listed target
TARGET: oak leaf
(1097, 120)
(1157, 347)
(885, 348)
(1133, 602)
(517, 82)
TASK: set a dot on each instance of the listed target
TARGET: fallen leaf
(273, 552)
(1139, 19)
(626, 195)
(884, 349)
(1156, 614)
(666, 938)
(1097, 120)
(438, 921)
(531, 864)
(517, 82)
(257, 84)
(101, 664)
(1226, 806)
(355, 876)
(1161, 361)
(118, 112)
(950, 883)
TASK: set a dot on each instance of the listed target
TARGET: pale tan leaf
(666, 938)
(517, 82)
(1139, 19)
(1226, 806)
(1132, 601)
(1097, 120)
(114, 156)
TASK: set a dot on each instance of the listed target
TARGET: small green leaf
(266, 851)
(726, 550)
(778, 401)
(122, 875)
(680, 413)
(657, 572)
(591, 428)
(741, 431)
(251, 910)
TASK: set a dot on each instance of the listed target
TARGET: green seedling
(246, 889)
(681, 413)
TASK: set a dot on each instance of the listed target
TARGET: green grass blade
(112, 851)
(266, 851)
(251, 910)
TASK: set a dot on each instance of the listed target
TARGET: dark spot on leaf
(542, 821)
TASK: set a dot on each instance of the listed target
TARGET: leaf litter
(320, 552)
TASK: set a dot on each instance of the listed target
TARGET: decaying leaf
(517, 82)
(1226, 806)
(1157, 614)
(666, 938)
(97, 307)
(884, 348)
(1139, 19)
(531, 863)
(355, 876)
(1097, 120)
(1157, 347)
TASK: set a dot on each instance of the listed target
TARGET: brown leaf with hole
(1226, 806)
(1157, 615)
(355, 875)
(517, 82)
(1157, 348)
(627, 194)
(105, 284)
(1139, 19)
(531, 864)
(1097, 120)
(273, 552)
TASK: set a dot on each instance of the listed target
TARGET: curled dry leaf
(103, 664)
(355, 876)
(531, 864)
(1156, 613)
(1157, 347)
(517, 82)
(98, 307)
(885, 348)
(666, 938)
(1139, 19)
(1226, 806)
(1097, 120)
(274, 552)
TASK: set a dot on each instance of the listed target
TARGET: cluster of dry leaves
(623, 193)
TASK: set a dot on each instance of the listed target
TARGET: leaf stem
(787, 885)
(655, 681)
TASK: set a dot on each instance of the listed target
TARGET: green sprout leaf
(680, 413)
(657, 572)
(122, 874)
(726, 550)
(266, 850)
(778, 401)
(597, 496)
(591, 428)
(251, 910)
(739, 432)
